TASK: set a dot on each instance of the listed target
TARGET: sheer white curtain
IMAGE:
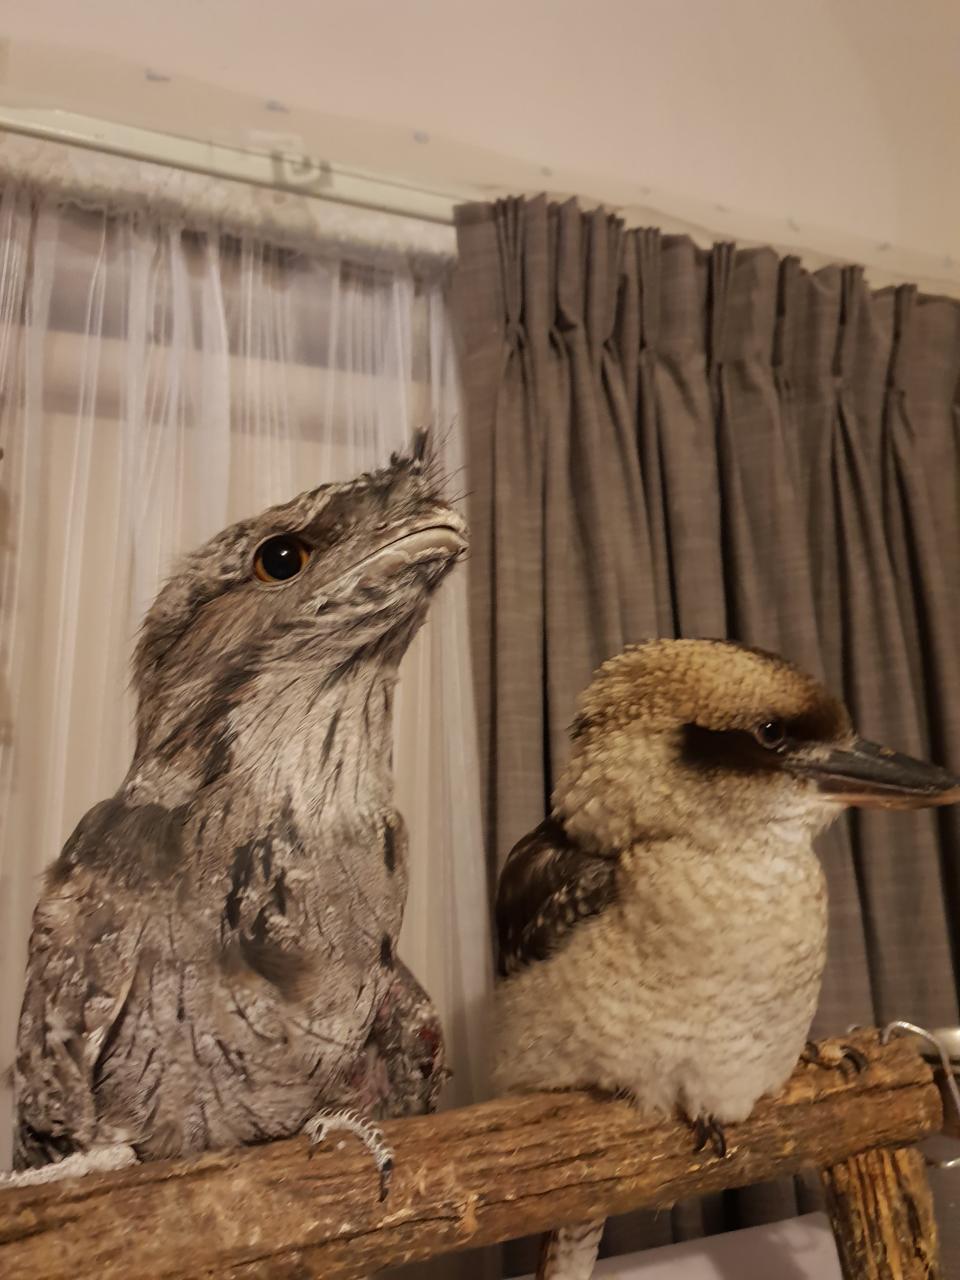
(158, 383)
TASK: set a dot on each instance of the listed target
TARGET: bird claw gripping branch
(349, 1121)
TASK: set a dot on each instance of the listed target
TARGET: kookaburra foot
(81, 1163)
(707, 1129)
(834, 1057)
(351, 1121)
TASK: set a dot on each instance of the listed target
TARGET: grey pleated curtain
(671, 441)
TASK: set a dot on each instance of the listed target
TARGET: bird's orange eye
(280, 558)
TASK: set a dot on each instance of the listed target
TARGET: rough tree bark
(882, 1214)
(463, 1178)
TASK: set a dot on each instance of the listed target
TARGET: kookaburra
(663, 933)
(213, 958)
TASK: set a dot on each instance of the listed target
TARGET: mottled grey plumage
(213, 954)
(663, 934)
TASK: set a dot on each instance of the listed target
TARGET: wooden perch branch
(881, 1209)
(464, 1178)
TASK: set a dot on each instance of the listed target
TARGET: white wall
(835, 115)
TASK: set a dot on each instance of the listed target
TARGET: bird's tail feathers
(569, 1253)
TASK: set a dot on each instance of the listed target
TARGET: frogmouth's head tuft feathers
(340, 575)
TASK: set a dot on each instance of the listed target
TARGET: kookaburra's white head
(708, 739)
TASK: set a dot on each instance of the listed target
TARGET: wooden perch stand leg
(484, 1174)
(881, 1209)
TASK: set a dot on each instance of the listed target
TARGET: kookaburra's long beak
(873, 777)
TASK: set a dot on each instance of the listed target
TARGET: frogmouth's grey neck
(284, 735)
(326, 746)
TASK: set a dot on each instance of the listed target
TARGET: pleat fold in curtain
(666, 440)
(159, 383)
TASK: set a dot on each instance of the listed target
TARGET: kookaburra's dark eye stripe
(732, 750)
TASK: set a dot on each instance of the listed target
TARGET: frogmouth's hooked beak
(873, 777)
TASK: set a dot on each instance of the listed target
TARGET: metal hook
(908, 1028)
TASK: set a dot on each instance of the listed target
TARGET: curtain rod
(292, 203)
(299, 174)
(418, 221)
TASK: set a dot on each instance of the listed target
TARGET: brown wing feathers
(547, 886)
